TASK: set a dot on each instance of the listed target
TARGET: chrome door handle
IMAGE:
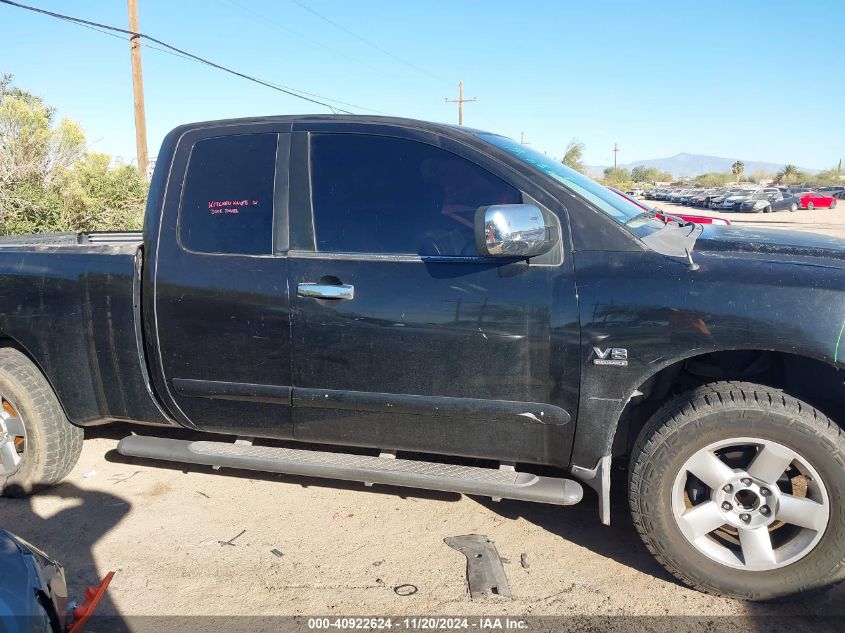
(325, 291)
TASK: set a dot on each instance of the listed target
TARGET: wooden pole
(138, 89)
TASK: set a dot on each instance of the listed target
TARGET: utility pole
(522, 140)
(138, 89)
(461, 101)
(615, 152)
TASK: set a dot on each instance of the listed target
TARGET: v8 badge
(617, 356)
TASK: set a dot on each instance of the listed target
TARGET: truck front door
(220, 308)
(403, 337)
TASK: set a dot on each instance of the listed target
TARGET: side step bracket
(505, 484)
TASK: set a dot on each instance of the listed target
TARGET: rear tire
(833, 204)
(34, 426)
(793, 207)
(756, 552)
(810, 206)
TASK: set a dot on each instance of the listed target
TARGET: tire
(741, 414)
(50, 444)
(810, 206)
(767, 210)
(833, 204)
(793, 207)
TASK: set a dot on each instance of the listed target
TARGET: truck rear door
(218, 301)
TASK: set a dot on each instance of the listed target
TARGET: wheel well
(815, 382)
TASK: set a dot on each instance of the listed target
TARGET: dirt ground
(825, 221)
(343, 549)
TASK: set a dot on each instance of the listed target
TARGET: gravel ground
(342, 549)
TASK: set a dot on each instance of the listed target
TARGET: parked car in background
(812, 199)
(697, 219)
(689, 197)
(704, 197)
(769, 201)
(676, 195)
(717, 198)
(733, 201)
(636, 193)
(794, 189)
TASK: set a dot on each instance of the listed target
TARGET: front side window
(378, 194)
(227, 204)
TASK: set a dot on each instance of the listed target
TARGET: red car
(698, 219)
(812, 199)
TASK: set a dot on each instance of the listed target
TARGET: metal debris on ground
(119, 478)
(202, 494)
(231, 541)
(276, 552)
(523, 560)
(485, 574)
(406, 589)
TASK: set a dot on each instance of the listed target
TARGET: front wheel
(739, 490)
(833, 204)
(810, 206)
(793, 207)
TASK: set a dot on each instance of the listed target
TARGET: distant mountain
(687, 165)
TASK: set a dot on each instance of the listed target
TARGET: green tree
(574, 155)
(789, 174)
(48, 182)
(617, 176)
(641, 173)
(738, 169)
(714, 179)
(832, 176)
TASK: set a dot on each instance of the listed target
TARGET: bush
(48, 182)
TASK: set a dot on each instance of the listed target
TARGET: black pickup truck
(506, 325)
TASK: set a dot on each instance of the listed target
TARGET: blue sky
(757, 80)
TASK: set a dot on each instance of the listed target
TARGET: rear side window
(376, 194)
(227, 205)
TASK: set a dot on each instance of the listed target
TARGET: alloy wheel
(12, 438)
(750, 503)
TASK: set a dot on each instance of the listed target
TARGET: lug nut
(765, 510)
(765, 492)
(746, 481)
(727, 506)
(745, 518)
(728, 488)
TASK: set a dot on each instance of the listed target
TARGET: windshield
(617, 207)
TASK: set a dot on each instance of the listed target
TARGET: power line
(274, 24)
(365, 40)
(273, 86)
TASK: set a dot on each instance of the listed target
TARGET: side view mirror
(513, 230)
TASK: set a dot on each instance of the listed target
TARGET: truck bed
(72, 303)
(109, 238)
